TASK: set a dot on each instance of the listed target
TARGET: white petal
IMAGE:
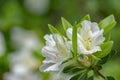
(95, 49)
(86, 26)
(94, 27)
(47, 61)
(69, 45)
(50, 67)
(49, 40)
(69, 33)
(86, 29)
(98, 38)
(81, 48)
(49, 52)
(63, 51)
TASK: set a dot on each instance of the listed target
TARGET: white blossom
(89, 37)
(29, 76)
(55, 52)
(25, 39)
(2, 44)
(23, 62)
(37, 7)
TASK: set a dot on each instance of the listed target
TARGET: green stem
(100, 74)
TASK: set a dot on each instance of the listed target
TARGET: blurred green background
(34, 15)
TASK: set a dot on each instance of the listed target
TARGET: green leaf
(108, 23)
(80, 77)
(53, 29)
(110, 78)
(103, 61)
(87, 17)
(72, 69)
(112, 54)
(99, 67)
(107, 37)
(91, 78)
(74, 41)
(65, 23)
(106, 58)
(106, 48)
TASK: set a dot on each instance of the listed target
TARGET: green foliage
(106, 48)
(105, 59)
(72, 69)
(65, 24)
(108, 23)
(53, 29)
(82, 76)
(74, 40)
(110, 78)
(87, 17)
(4, 64)
(91, 78)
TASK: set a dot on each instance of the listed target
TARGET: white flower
(29, 76)
(89, 37)
(2, 44)
(37, 7)
(25, 39)
(55, 51)
(23, 62)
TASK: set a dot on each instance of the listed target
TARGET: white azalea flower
(55, 52)
(89, 37)
(2, 44)
(37, 7)
(23, 62)
(24, 39)
(13, 76)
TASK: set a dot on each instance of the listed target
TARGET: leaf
(91, 78)
(110, 78)
(99, 67)
(106, 58)
(103, 60)
(83, 77)
(4, 64)
(72, 69)
(112, 54)
(108, 23)
(65, 23)
(37, 55)
(53, 29)
(80, 77)
(107, 37)
(106, 48)
(74, 41)
(87, 17)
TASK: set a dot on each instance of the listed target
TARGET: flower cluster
(80, 49)
(22, 62)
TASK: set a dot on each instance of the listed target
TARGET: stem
(100, 74)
